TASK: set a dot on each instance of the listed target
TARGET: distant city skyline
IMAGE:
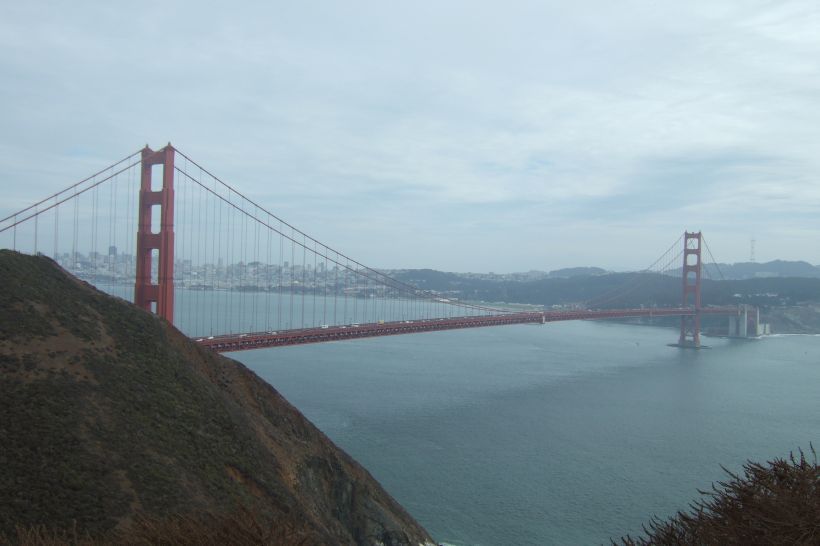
(466, 136)
(121, 267)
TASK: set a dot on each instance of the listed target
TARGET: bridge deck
(259, 340)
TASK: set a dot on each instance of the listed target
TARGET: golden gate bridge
(161, 230)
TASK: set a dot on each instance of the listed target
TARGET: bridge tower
(159, 296)
(691, 273)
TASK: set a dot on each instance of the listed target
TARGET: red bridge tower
(690, 324)
(148, 294)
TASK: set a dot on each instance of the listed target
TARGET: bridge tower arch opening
(148, 295)
(691, 274)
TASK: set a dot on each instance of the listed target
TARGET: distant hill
(613, 290)
(776, 268)
(569, 272)
(109, 412)
(575, 284)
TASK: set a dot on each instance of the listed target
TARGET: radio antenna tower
(752, 250)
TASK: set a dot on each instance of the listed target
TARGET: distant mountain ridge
(735, 271)
(611, 290)
(775, 268)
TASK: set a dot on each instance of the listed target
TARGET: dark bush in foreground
(241, 528)
(775, 503)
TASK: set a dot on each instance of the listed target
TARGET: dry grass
(773, 503)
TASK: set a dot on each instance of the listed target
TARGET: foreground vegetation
(773, 503)
(242, 527)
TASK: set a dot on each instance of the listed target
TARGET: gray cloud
(457, 135)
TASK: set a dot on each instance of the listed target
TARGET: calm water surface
(567, 433)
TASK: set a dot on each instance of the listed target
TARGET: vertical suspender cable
(324, 286)
(256, 261)
(94, 225)
(304, 279)
(36, 222)
(229, 269)
(206, 234)
(355, 295)
(112, 232)
(220, 275)
(280, 278)
(229, 279)
(192, 192)
(56, 228)
(74, 233)
(199, 259)
(243, 265)
(314, 284)
(181, 252)
(236, 263)
(129, 229)
(268, 286)
(291, 276)
(214, 261)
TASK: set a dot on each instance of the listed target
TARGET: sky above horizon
(460, 136)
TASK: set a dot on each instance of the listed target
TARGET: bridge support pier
(747, 323)
(738, 325)
(156, 296)
(691, 273)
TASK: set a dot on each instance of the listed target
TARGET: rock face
(803, 319)
(108, 412)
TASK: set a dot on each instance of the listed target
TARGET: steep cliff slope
(108, 412)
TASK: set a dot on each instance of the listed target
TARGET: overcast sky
(464, 136)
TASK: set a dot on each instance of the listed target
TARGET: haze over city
(462, 136)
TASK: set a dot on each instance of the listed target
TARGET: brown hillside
(109, 412)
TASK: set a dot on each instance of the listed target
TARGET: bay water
(565, 433)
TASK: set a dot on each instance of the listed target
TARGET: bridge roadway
(260, 340)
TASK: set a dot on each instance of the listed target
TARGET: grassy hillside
(109, 413)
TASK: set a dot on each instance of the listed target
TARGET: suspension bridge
(159, 229)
